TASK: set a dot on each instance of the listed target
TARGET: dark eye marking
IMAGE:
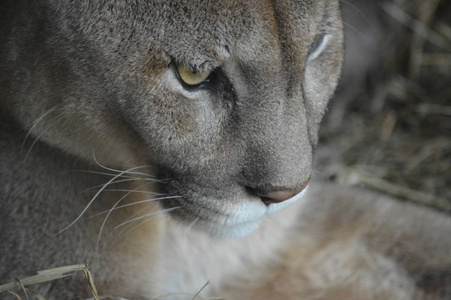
(216, 81)
(317, 43)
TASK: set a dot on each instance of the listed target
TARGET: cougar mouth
(238, 216)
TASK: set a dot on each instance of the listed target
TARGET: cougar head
(222, 98)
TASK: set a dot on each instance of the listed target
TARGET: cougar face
(222, 98)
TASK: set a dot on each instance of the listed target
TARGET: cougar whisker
(95, 197)
(151, 216)
(137, 213)
(134, 203)
(144, 216)
(35, 122)
(111, 210)
(118, 181)
(357, 10)
(354, 29)
(122, 171)
(190, 226)
(138, 192)
(147, 177)
(39, 137)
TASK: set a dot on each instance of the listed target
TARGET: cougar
(170, 143)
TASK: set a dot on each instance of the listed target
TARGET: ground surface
(389, 127)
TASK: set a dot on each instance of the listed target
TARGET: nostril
(276, 197)
(280, 194)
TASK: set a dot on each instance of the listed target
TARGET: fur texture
(108, 156)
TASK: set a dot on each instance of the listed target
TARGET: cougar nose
(280, 195)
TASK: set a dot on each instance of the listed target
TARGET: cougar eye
(316, 47)
(191, 76)
(214, 81)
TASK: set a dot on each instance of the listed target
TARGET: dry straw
(48, 276)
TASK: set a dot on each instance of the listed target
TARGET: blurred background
(389, 126)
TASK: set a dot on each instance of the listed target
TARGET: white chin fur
(235, 231)
(247, 217)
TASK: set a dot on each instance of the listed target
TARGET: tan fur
(99, 80)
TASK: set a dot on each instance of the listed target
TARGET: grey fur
(98, 77)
